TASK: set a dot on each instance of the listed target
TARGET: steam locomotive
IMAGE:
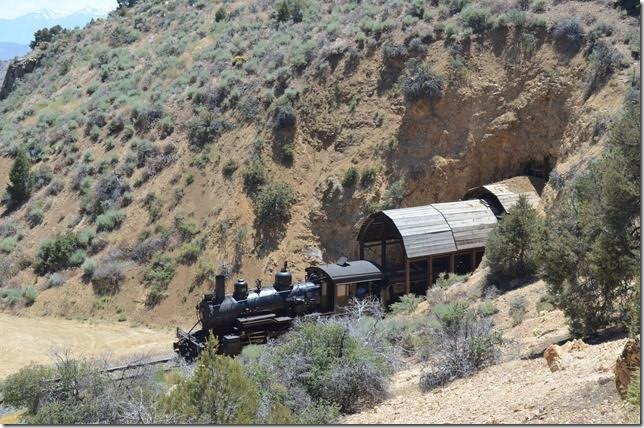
(247, 317)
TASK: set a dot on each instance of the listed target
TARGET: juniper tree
(591, 251)
(20, 180)
(511, 248)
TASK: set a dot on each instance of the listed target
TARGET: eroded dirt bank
(518, 391)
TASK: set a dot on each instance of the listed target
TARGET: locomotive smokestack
(220, 288)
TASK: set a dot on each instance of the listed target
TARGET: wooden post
(473, 260)
(361, 250)
(407, 284)
(451, 263)
(383, 253)
(430, 270)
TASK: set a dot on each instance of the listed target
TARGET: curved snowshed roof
(435, 228)
(507, 192)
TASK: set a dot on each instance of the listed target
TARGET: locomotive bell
(241, 290)
(283, 279)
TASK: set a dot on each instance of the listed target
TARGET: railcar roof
(350, 272)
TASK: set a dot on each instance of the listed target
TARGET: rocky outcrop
(627, 364)
(16, 70)
(553, 358)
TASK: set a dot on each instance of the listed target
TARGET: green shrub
(368, 176)
(475, 18)
(230, 167)
(451, 315)
(255, 176)
(568, 34)
(545, 304)
(220, 15)
(153, 205)
(420, 82)
(604, 61)
(186, 229)
(77, 258)
(284, 118)
(11, 296)
(190, 252)
(407, 304)
(412, 334)
(89, 266)
(107, 277)
(351, 176)
(463, 342)
(219, 392)
(29, 295)
(512, 246)
(24, 389)
(158, 275)
(54, 254)
(109, 220)
(538, 6)
(204, 128)
(446, 280)
(273, 205)
(8, 244)
(332, 366)
(518, 310)
(394, 195)
(487, 308)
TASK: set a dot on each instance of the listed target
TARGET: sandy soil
(518, 391)
(27, 339)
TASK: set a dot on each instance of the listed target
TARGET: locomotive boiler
(248, 316)
(254, 316)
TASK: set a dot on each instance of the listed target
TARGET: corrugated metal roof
(508, 198)
(470, 221)
(423, 229)
(443, 228)
(453, 226)
(507, 192)
(354, 271)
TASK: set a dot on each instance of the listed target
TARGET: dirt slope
(27, 339)
(583, 393)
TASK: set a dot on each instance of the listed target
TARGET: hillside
(152, 132)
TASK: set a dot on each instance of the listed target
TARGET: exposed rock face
(553, 358)
(627, 364)
(16, 70)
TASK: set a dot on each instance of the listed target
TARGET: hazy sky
(12, 8)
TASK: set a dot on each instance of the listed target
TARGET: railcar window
(341, 290)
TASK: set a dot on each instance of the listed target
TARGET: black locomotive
(247, 317)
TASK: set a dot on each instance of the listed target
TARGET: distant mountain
(12, 50)
(21, 30)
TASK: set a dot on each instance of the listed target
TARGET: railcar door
(327, 294)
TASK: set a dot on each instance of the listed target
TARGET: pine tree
(20, 180)
(511, 248)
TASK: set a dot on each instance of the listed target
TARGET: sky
(10, 9)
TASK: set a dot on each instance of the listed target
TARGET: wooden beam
(407, 274)
(473, 260)
(383, 253)
(430, 270)
(451, 263)
(361, 250)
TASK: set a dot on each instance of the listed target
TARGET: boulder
(553, 358)
(627, 363)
